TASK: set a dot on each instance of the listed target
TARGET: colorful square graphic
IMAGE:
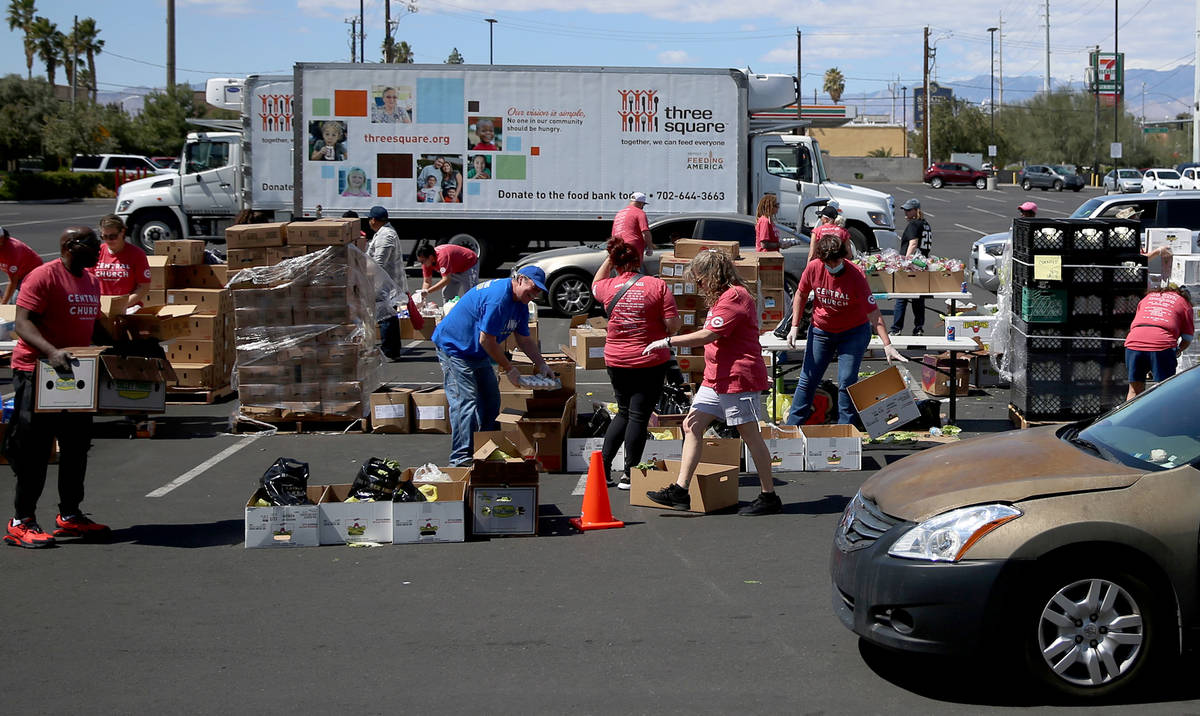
(513, 144)
(320, 106)
(473, 105)
(473, 189)
(350, 103)
(440, 100)
(535, 151)
(509, 166)
(384, 190)
(394, 166)
(328, 171)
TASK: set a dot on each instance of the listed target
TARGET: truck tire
(488, 259)
(858, 237)
(156, 225)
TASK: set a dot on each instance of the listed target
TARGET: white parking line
(202, 467)
(938, 198)
(968, 228)
(580, 486)
(988, 211)
(992, 198)
(57, 221)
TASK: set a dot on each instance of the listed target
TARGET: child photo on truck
(354, 182)
(328, 141)
(481, 167)
(483, 134)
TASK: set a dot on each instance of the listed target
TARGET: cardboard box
(180, 252)
(277, 254)
(198, 375)
(161, 323)
(512, 470)
(390, 410)
(937, 383)
(671, 267)
(323, 232)
(198, 276)
(158, 272)
(183, 351)
(689, 248)
(498, 510)
(510, 343)
(587, 345)
(968, 328)
(1181, 242)
(831, 447)
(541, 430)
(785, 446)
(253, 236)
(910, 282)
(579, 454)
(715, 451)
(879, 281)
(441, 521)
(561, 363)
(884, 402)
(772, 308)
(713, 487)
(208, 301)
(770, 270)
(430, 411)
(156, 297)
(206, 328)
(347, 522)
(946, 281)
(1185, 270)
(278, 527)
(103, 382)
(746, 267)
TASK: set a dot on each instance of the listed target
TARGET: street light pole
(491, 21)
(992, 79)
(904, 113)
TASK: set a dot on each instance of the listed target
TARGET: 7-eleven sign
(1108, 72)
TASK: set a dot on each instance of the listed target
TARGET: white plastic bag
(430, 473)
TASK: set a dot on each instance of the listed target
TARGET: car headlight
(124, 205)
(948, 536)
(879, 218)
(994, 249)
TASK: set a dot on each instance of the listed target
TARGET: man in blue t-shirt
(470, 338)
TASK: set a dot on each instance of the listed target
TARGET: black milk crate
(1045, 371)
(1100, 277)
(1114, 308)
(1066, 403)
(1078, 241)
(1071, 337)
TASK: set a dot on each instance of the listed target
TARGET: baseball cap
(378, 213)
(638, 196)
(830, 211)
(1027, 206)
(911, 204)
(535, 274)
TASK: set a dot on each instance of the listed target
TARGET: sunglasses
(88, 241)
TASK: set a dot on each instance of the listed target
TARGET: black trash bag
(724, 431)
(931, 415)
(597, 425)
(675, 400)
(674, 375)
(406, 491)
(286, 482)
(376, 480)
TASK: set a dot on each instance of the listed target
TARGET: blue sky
(871, 41)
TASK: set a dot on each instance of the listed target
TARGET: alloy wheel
(1090, 632)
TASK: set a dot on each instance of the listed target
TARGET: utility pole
(1119, 95)
(1096, 130)
(904, 113)
(387, 31)
(992, 79)
(1196, 95)
(362, 33)
(353, 23)
(799, 86)
(491, 21)
(170, 45)
(1001, 26)
(925, 117)
(1046, 85)
(75, 65)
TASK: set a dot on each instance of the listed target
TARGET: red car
(941, 173)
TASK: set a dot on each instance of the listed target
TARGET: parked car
(1190, 178)
(1068, 552)
(941, 173)
(1161, 179)
(1167, 210)
(1184, 165)
(166, 162)
(113, 162)
(1049, 176)
(1122, 180)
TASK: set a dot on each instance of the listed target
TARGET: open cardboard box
(831, 447)
(717, 451)
(884, 402)
(441, 521)
(542, 429)
(290, 526)
(108, 383)
(713, 487)
(346, 522)
(785, 446)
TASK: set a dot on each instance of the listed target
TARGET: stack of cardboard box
(202, 354)
(305, 327)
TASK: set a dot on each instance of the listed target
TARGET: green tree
(881, 152)
(87, 37)
(45, 40)
(404, 53)
(25, 106)
(455, 58)
(69, 55)
(163, 121)
(20, 17)
(76, 131)
(835, 84)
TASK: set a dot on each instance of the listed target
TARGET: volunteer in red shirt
(843, 313)
(122, 269)
(640, 310)
(56, 309)
(630, 224)
(734, 378)
(828, 226)
(457, 268)
(766, 236)
(1162, 328)
(16, 260)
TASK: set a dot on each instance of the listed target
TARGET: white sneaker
(623, 483)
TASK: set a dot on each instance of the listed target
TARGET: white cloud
(327, 8)
(674, 57)
(222, 7)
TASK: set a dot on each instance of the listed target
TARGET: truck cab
(196, 202)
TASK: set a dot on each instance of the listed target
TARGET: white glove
(661, 344)
(893, 354)
(792, 336)
(513, 375)
(418, 296)
(547, 371)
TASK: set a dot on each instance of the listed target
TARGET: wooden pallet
(299, 426)
(198, 396)
(1020, 422)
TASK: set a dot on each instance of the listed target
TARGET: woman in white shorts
(734, 379)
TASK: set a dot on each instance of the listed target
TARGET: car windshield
(1063, 170)
(1158, 430)
(1086, 208)
(1129, 174)
(1166, 174)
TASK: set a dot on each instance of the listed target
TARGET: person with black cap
(828, 226)
(917, 238)
(384, 249)
(471, 338)
(57, 309)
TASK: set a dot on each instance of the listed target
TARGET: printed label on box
(431, 412)
(388, 412)
(597, 352)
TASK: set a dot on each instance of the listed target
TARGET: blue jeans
(848, 347)
(474, 398)
(918, 305)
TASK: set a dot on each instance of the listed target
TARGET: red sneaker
(27, 534)
(80, 526)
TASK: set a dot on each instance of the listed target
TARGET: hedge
(24, 186)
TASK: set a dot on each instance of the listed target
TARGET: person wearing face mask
(844, 311)
(828, 226)
(56, 309)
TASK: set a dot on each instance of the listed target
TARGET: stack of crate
(1076, 284)
(305, 328)
(202, 358)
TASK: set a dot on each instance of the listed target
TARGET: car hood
(1000, 238)
(567, 251)
(838, 190)
(1007, 467)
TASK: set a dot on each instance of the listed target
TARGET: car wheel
(1058, 185)
(1026, 185)
(1090, 633)
(152, 226)
(981, 183)
(571, 294)
(936, 182)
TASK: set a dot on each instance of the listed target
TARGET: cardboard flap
(869, 391)
(147, 370)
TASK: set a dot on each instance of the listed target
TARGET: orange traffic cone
(596, 513)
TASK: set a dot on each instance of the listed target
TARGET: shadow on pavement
(225, 533)
(828, 505)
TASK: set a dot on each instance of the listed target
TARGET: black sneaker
(623, 483)
(918, 331)
(672, 496)
(894, 331)
(767, 503)
(610, 482)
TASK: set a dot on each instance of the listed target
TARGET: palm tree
(835, 84)
(455, 57)
(87, 37)
(68, 56)
(45, 40)
(20, 17)
(403, 53)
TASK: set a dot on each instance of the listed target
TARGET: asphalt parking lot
(674, 613)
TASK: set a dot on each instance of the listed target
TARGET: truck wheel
(859, 238)
(571, 294)
(147, 228)
(480, 248)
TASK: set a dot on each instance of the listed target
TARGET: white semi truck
(496, 157)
